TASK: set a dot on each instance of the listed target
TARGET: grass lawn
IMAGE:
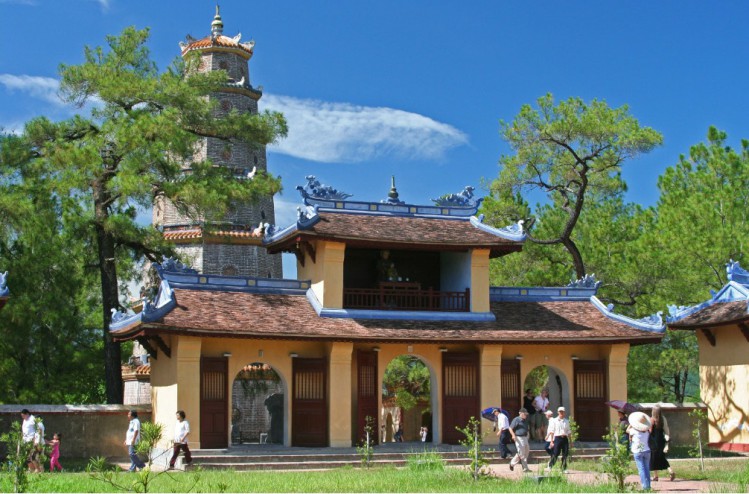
(728, 473)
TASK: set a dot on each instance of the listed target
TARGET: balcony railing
(405, 296)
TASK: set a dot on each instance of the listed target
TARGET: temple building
(722, 328)
(231, 245)
(376, 281)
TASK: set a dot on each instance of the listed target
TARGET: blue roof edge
(651, 324)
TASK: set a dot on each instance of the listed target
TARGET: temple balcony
(410, 296)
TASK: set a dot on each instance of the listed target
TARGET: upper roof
(449, 224)
(730, 305)
(217, 40)
(181, 234)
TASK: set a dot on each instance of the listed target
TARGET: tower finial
(393, 194)
(217, 26)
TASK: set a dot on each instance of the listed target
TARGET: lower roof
(276, 316)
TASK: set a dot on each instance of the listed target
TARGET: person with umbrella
(639, 433)
(503, 431)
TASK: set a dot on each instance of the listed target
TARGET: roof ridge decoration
(307, 217)
(734, 272)
(153, 310)
(4, 291)
(313, 189)
(392, 197)
(464, 198)
(541, 293)
(731, 292)
(587, 281)
(511, 232)
(217, 38)
(653, 323)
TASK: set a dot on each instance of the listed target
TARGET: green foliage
(571, 151)
(425, 461)
(366, 448)
(473, 440)
(574, 434)
(407, 379)
(131, 149)
(616, 462)
(15, 467)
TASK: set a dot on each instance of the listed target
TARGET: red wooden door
(309, 406)
(367, 395)
(214, 403)
(460, 393)
(512, 390)
(591, 412)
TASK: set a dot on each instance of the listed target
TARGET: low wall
(87, 430)
(680, 423)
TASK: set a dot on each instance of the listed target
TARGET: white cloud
(104, 4)
(44, 88)
(20, 2)
(342, 132)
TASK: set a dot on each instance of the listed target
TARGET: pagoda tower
(227, 246)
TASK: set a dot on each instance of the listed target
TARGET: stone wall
(87, 430)
(680, 423)
(250, 416)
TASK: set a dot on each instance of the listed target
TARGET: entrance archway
(407, 396)
(554, 381)
(258, 395)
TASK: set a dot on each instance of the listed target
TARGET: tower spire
(217, 26)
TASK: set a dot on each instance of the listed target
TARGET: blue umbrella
(488, 413)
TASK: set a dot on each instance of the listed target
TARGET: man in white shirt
(131, 439)
(503, 431)
(181, 431)
(559, 430)
(540, 423)
(29, 436)
(549, 439)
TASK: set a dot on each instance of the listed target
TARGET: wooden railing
(405, 296)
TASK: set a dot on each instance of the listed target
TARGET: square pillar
(339, 400)
(480, 280)
(491, 381)
(617, 376)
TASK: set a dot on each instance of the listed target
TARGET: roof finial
(393, 194)
(217, 26)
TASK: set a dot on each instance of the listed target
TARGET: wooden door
(512, 390)
(591, 412)
(460, 393)
(367, 395)
(214, 403)
(309, 406)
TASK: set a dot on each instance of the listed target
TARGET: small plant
(366, 449)
(574, 432)
(422, 461)
(697, 451)
(16, 463)
(473, 440)
(615, 463)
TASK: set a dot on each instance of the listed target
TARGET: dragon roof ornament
(153, 309)
(511, 232)
(464, 198)
(734, 272)
(587, 281)
(315, 190)
(4, 291)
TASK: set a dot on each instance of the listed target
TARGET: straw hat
(639, 421)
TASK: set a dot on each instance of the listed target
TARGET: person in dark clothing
(528, 405)
(659, 437)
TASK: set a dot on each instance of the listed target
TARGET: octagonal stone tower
(231, 246)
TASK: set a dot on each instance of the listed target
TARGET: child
(54, 457)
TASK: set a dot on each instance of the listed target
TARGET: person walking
(560, 434)
(520, 431)
(181, 431)
(528, 405)
(659, 437)
(503, 431)
(132, 437)
(54, 456)
(639, 434)
(549, 439)
(29, 437)
(540, 424)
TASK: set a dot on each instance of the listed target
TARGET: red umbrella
(623, 406)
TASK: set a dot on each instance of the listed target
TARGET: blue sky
(416, 89)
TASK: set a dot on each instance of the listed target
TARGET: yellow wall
(617, 376)
(480, 280)
(326, 273)
(724, 385)
(491, 377)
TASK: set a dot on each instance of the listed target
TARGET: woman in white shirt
(181, 431)
(639, 434)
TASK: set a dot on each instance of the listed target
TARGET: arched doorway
(257, 406)
(548, 379)
(406, 398)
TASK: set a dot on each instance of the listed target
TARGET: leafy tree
(133, 147)
(568, 151)
(407, 380)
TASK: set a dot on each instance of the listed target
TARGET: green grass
(727, 475)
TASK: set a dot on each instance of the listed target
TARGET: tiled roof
(236, 314)
(139, 370)
(363, 229)
(212, 41)
(718, 314)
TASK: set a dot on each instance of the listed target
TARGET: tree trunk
(577, 258)
(110, 299)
